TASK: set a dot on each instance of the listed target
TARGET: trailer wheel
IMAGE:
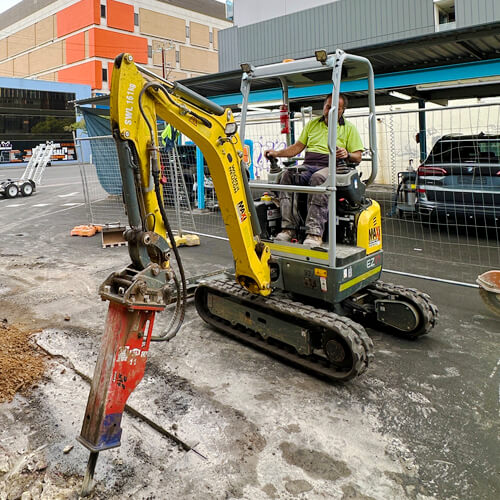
(11, 191)
(27, 189)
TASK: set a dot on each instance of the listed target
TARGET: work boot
(313, 240)
(285, 235)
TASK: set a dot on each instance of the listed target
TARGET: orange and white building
(76, 41)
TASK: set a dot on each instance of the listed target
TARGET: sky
(7, 4)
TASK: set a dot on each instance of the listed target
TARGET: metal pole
(332, 147)
(422, 130)
(245, 91)
(163, 62)
(284, 86)
(200, 178)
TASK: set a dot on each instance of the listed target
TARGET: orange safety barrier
(85, 230)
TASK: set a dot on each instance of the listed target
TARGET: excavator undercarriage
(317, 339)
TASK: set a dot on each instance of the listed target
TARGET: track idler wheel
(405, 312)
(337, 351)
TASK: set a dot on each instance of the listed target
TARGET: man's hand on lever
(271, 153)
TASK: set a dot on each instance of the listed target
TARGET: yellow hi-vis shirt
(315, 136)
(167, 134)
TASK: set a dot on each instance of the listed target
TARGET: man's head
(327, 104)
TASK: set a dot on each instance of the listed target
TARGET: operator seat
(349, 185)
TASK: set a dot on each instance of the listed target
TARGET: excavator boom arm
(135, 105)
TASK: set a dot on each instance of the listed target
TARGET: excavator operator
(314, 137)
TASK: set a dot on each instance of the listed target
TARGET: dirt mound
(21, 364)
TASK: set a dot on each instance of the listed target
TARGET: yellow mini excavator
(306, 305)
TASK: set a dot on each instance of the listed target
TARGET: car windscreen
(465, 151)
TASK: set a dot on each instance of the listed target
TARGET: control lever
(275, 168)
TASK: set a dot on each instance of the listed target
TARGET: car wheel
(428, 220)
(11, 191)
(27, 189)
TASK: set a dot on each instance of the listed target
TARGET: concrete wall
(261, 10)
(162, 25)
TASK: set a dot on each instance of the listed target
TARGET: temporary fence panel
(102, 186)
(451, 244)
(448, 249)
(444, 248)
(178, 190)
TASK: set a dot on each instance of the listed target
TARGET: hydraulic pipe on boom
(148, 284)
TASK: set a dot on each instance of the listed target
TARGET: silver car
(460, 181)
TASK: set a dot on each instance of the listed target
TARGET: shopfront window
(30, 117)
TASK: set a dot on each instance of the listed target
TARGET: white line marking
(70, 204)
(42, 205)
(66, 195)
(8, 227)
(495, 369)
(15, 205)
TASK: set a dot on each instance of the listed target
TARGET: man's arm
(354, 146)
(354, 156)
(293, 150)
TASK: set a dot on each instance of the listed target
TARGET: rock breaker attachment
(120, 367)
(135, 298)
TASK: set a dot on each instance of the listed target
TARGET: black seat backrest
(350, 187)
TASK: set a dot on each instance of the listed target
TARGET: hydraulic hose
(171, 334)
(179, 311)
(175, 316)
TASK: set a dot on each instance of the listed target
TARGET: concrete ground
(422, 423)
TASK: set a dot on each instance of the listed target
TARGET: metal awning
(436, 67)
(414, 67)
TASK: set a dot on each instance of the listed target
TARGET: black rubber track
(314, 319)
(428, 312)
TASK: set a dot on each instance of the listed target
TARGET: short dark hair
(343, 96)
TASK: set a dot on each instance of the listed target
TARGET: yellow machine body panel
(222, 153)
(126, 85)
(369, 234)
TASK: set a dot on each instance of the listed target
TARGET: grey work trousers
(317, 204)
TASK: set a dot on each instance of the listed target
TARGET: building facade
(425, 32)
(76, 41)
(35, 111)
(55, 51)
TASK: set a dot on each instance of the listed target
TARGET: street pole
(163, 61)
